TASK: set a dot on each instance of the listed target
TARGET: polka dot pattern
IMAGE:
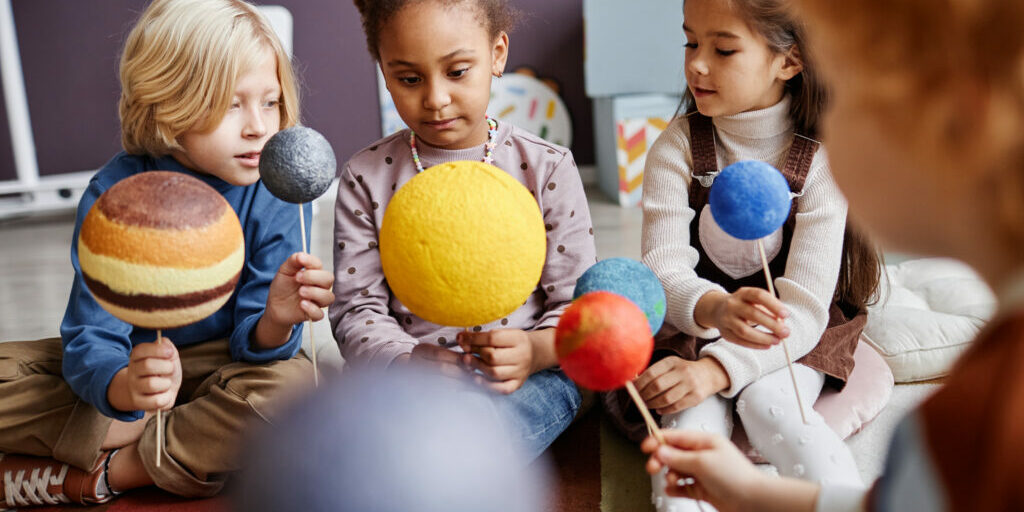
(370, 188)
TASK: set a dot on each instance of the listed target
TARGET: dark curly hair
(497, 15)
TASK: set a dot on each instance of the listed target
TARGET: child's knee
(263, 388)
(23, 358)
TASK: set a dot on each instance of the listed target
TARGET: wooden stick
(651, 425)
(309, 323)
(785, 346)
(159, 418)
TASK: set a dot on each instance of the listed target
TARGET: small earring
(498, 73)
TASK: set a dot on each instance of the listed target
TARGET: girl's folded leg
(771, 417)
(714, 414)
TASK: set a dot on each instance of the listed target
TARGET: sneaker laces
(35, 487)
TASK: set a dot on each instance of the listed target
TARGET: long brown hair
(862, 262)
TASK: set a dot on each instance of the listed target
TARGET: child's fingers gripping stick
(299, 261)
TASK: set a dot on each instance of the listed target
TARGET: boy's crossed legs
(41, 416)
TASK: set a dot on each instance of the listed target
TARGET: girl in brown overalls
(751, 96)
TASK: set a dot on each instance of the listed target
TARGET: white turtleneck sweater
(812, 268)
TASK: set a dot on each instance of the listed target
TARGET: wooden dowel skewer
(653, 428)
(159, 417)
(785, 346)
(309, 323)
(651, 425)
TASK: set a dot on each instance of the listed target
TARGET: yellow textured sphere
(462, 244)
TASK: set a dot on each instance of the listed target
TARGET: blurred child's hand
(674, 384)
(504, 356)
(299, 290)
(735, 316)
(447, 362)
(153, 376)
(724, 477)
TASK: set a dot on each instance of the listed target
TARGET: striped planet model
(161, 250)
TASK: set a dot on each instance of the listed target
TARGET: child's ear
(792, 64)
(499, 54)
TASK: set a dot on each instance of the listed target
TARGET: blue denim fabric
(539, 411)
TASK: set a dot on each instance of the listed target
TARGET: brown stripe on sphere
(178, 248)
(162, 200)
(143, 302)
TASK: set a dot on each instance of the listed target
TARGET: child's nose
(437, 97)
(696, 64)
(255, 126)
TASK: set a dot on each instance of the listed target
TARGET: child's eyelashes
(719, 51)
(409, 80)
(458, 73)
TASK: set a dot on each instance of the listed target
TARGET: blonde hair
(180, 66)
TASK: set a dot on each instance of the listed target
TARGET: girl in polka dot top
(438, 60)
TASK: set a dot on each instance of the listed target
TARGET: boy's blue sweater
(97, 345)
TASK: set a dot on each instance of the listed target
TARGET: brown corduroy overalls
(833, 354)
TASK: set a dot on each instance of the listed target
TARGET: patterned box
(625, 128)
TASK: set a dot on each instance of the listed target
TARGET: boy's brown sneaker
(44, 481)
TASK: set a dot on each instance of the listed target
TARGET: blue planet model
(750, 200)
(631, 279)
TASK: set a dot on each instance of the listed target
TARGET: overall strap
(798, 161)
(702, 144)
(705, 161)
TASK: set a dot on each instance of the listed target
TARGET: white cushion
(930, 309)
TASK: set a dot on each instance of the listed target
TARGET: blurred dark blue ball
(389, 440)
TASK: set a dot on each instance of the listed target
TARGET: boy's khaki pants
(219, 398)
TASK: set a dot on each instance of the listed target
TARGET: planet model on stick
(750, 200)
(161, 250)
(462, 244)
(631, 279)
(603, 341)
(297, 164)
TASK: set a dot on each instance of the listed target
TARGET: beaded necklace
(492, 128)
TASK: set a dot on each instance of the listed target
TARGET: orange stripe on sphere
(189, 248)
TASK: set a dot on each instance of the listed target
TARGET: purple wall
(6, 155)
(70, 50)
